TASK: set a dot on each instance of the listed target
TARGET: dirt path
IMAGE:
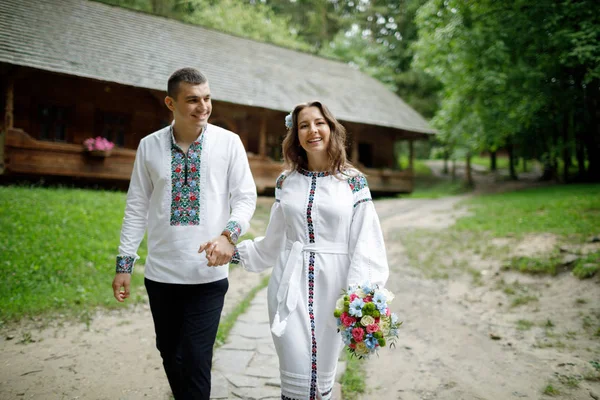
(446, 350)
(114, 358)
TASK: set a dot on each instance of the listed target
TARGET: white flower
(288, 121)
(367, 320)
(339, 304)
(361, 349)
(360, 293)
(389, 296)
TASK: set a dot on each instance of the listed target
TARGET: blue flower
(356, 308)
(370, 341)
(351, 290)
(347, 336)
(394, 319)
(379, 300)
(366, 287)
(288, 121)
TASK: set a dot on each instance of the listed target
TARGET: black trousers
(186, 319)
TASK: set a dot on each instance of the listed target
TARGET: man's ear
(169, 103)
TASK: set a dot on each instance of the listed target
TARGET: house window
(113, 126)
(53, 123)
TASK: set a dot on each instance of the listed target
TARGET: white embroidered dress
(323, 235)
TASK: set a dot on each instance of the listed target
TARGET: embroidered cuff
(361, 201)
(125, 264)
(235, 259)
(234, 230)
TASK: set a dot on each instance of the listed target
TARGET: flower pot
(99, 153)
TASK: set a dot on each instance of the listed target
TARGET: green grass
(534, 265)
(354, 380)
(419, 166)
(524, 325)
(58, 249)
(501, 163)
(431, 187)
(227, 323)
(587, 266)
(564, 210)
(550, 390)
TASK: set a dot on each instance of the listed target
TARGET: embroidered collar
(195, 142)
(318, 174)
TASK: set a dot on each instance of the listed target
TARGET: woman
(323, 235)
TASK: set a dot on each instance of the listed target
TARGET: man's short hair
(187, 75)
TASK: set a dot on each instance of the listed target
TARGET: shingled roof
(94, 40)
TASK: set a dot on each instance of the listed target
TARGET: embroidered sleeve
(242, 191)
(360, 189)
(234, 229)
(125, 264)
(279, 186)
(235, 259)
(368, 260)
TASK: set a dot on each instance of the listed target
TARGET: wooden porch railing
(28, 156)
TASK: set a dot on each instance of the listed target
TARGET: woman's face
(313, 131)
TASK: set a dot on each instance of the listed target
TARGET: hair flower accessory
(288, 121)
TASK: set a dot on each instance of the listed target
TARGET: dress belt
(289, 286)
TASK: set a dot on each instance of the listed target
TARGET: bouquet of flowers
(364, 319)
(98, 144)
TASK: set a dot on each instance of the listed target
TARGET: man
(186, 178)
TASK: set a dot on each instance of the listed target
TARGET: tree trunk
(580, 154)
(524, 164)
(566, 154)
(493, 166)
(511, 161)
(592, 142)
(468, 174)
(446, 157)
(453, 170)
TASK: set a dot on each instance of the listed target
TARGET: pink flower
(98, 143)
(372, 328)
(387, 312)
(358, 334)
(352, 345)
(353, 296)
(368, 299)
(347, 320)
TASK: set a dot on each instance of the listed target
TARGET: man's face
(193, 106)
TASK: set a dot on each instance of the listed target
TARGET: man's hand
(121, 286)
(218, 251)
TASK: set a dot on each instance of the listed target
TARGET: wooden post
(354, 155)
(262, 142)
(411, 155)
(8, 111)
(9, 120)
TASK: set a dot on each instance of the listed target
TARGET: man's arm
(134, 224)
(242, 191)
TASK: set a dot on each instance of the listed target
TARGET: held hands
(218, 251)
(121, 286)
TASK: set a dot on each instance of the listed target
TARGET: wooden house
(74, 69)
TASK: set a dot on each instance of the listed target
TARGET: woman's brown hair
(294, 155)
